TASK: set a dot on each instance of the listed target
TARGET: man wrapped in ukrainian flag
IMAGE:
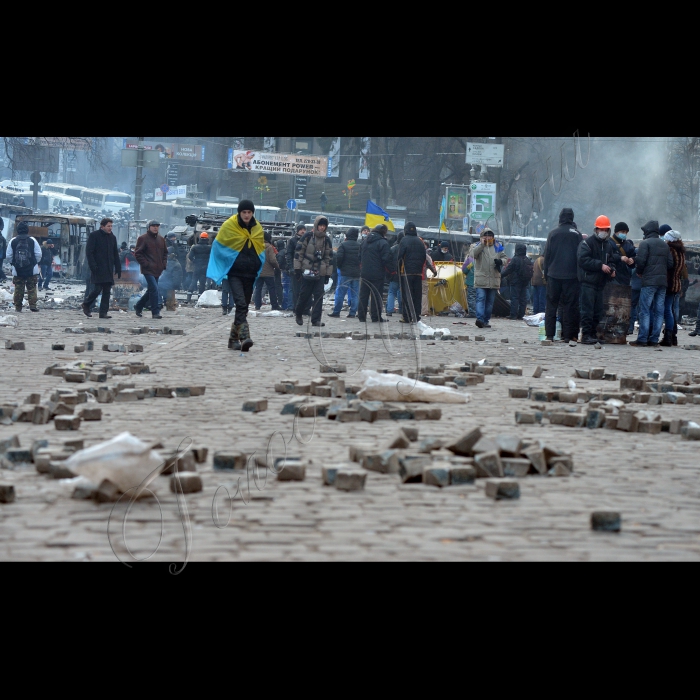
(238, 252)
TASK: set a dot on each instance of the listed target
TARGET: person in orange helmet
(597, 257)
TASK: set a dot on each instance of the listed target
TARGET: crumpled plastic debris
(9, 321)
(425, 329)
(125, 460)
(208, 299)
(394, 387)
(534, 320)
(275, 313)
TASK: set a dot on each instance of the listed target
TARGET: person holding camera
(488, 261)
(313, 267)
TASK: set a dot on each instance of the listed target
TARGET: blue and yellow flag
(443, 212)
(376, 215)
(229, 242)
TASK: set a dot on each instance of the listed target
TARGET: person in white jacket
(24, 254)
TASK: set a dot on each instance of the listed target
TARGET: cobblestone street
(650, 479)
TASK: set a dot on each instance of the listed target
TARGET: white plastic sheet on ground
(9, 321)
(394, 387)
(209, 299)
(125, 460)
(275, 313)
(534, 320)
(425, 329)
(5, 295)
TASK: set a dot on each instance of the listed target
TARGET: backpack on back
(23, 258)
(526, 270)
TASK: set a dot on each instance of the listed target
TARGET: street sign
(300, 184)
(485, 154)
(164, 188)
(291, 204)
(300, 201)
(483, 204)
(151, 159)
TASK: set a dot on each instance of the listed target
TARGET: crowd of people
(565, 282)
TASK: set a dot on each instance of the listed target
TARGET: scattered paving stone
(674, 397)
(107, 492)
(436, 475)
(545, 343)
(518, 393)
(255, 406)
(538, 372)
(477, 338)
(75, 377)
(186, 482)
(89, 345)
(464, 444)
(18, 455)
(97, 376)
(690, 433)
(509, 445)
(229, 461)
(33, 399)
(114, 347)
(430, 444)
(606, 521)
(78, 348)
(333, 369)
(84, 491)
(411, 467)
(515, 466)
(628, 421)
(7, 493)
(611, 422)
(488, 464)
(649, 427)
(597, 372)
(67, 422)
(348, 415)
(10, 345)
(582, 374)
(398, 441)
(294, 470)
(461, 474)
(58, 346)
(329, 473)
(597, 346)
(90, 413)
(350, 480)
(595, 418)
(502, 489)
(59, 470)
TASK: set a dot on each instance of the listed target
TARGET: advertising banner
(181, 151)
(456, 203)
(365, 150)
(283, 163)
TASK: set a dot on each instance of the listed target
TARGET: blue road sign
(164, 188)
(292, 204)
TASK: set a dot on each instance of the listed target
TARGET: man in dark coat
(411, 263)
(627, 253)
(597, 261)
(375, 261)
(199, 257)
(289, 256)
(394, 293)
(519, 275)
(654, 260)
(152, 255)
(102, 257)
(348, 261)
(441, 253)
(561, 273)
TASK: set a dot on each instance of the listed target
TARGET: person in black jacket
(654, 260)
(289, 256)
(441, 253)
(627, 253)
(375, 261)
(3, 250)
(597, 262)
(199, 257)
(561, 274)
(103, 259)
(348, 261)
(519, 274)
(410, 259)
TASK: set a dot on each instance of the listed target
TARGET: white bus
(64, 188)
(106, 200)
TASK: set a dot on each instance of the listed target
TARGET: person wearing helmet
(199, 256)
(654, 260)
(152, 255)
(597, 261)
(561, 274)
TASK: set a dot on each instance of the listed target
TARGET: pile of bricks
(96, 371)
(64, 408)
(471, 456)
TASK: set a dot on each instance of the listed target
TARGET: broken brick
(67, 422)
(502, 489)
(186, 482)
(255, 406)
(606, 521)
(350, 480)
